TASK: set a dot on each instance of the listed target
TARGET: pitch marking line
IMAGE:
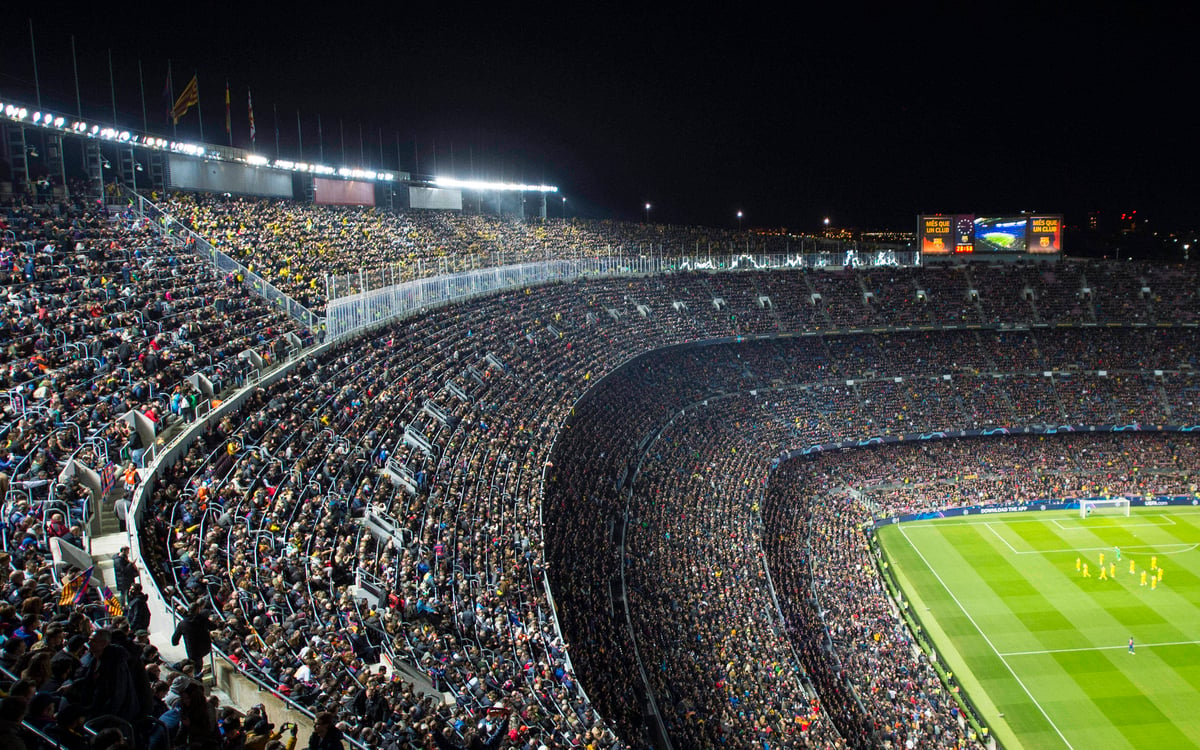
(1099, 648)
(1178, 547)
(1011, 518)
(1001, 538)
(1078, 526)
(987, 640)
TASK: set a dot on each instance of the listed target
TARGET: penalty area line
(1099, 648)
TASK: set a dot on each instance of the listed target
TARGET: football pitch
(1041, 650)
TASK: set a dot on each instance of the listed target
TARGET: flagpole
(228, 121)
(112, 87)
(142, 91)
(250, 117)
(171, 100)
(75, 67)
(275, 116)
(37, 86)
(320, 140)
(300, 134)
(199, 112)
(78, 98)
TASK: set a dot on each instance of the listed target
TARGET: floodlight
(450, 182)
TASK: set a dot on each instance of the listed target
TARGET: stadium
(403, 462)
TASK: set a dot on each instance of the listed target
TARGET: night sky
(868, 118)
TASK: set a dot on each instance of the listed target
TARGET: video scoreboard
(952, 234)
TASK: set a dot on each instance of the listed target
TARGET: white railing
(349, 314)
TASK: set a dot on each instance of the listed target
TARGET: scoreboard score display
(955, 234)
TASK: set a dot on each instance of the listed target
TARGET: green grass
(1041, 650)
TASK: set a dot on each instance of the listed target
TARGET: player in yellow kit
(1160, 574)
(1132, 568)
(1103, 573)
(1086, 574)
(1143, 578)
(1153, 562)
(1112, 570)
(1101, 559)
(1077, 567)
(1153, 583)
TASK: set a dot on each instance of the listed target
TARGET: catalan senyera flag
(188, 98)
(75, 588)
(250, 106)
(228, 123)
(112, 603)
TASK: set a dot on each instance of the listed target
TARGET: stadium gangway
(452, 388)
(386, 529)
(369, 587)
(435, 411)
(253, 358)
(415, 439)
(493, 360)
(202, 384)
(401, 476)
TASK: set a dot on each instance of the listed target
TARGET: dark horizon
(788, 118)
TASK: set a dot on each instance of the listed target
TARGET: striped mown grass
(1042, 650)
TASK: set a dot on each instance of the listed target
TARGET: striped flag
(250, 105)
(75, 588)
(188, 98)
(228, 123)
(112, 603)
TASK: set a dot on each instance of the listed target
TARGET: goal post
(1107, 506)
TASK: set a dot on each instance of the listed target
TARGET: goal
(1107, 506)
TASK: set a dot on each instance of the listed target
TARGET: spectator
(12, 712)
(196, 631)
(326, 735)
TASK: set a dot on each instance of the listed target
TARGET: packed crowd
(914, 478)
(444, 425)
(683, 538)
(295, 247)
(77, 669)
(261, 502)
(100, 317)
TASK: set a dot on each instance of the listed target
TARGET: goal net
(1108, 506)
